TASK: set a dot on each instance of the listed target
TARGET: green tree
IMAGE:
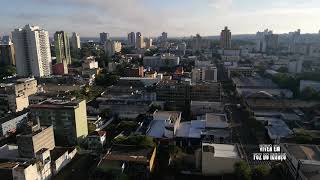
(7, 70)
(242, 171)
(260, 172)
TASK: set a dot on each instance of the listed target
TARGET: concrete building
(10, 123)
(198, 108)
(293, 38)
(302, 161)
(104, 37)
(32, 47)
(112, 47)
(7, 54)
(134, 72)
(266, 41)
(225, 39)
(164, 124)
(62, 47)
(149, 43)
(132, 39)
(61, 157)
(182, 47)
(29, 144)
(16, 94)
(218, 159)
(75, 41)
(240, 71)
(204, 74)
(311, 84)
(69, 119)
(130, 160)
(164, 60)
(139, 41)
(164, 37)
(90, 63)
(295, 66)
(198, 43)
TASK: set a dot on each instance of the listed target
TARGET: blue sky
(151, 17)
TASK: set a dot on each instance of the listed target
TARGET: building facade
(75, 41)
(225, 39)
(32, 47)
(69, 119)
(104, 37)
(62, 47)
(7, 54)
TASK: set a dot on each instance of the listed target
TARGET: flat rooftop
(216, 120)
(222, 150)
(129, 153)
(304, 151)
(57, 104)
(257, 82)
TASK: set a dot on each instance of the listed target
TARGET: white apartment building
(33, 56)
(112, 47)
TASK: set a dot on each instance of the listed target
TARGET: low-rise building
(164, 124)
(164, 60)
(218, 159)
(302, 160)
(30, 143)
(10, 123)
(133, 161)
(60, 157)
(311, 84)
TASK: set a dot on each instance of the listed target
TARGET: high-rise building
(104, 37)
(293, 38)
(7, 53)
(149, 43)
(75, 41)
(225, 38)
(132, 39)
(139, 41)
(112, 47)
(62, 47)
(164, 36)
(69, 119)
(32, 47)
(266, 41)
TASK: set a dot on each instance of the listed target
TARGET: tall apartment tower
(225, 38)
(132, 38)
(62, 47)
(139, 41)
(293, 38)
(104, 37)
(164, 36)
(32, 48)
(75, 41)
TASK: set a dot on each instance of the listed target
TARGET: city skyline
(206, 17)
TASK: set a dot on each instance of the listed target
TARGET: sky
(151, 17)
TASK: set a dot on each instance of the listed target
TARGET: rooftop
(57, 104)
(216, 120)
(129, 153)
(304, 151)
(221, 150)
